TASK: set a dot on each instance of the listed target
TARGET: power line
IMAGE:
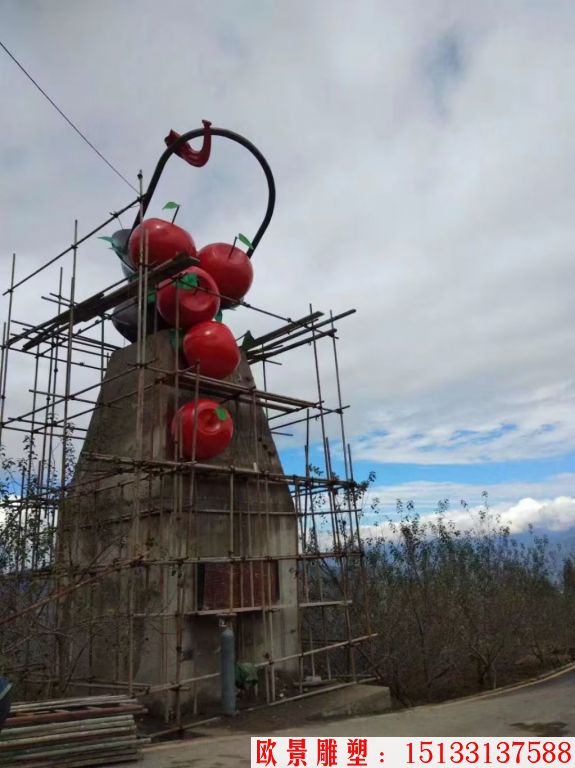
(66, 118)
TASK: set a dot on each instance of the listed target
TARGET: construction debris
(70, 733)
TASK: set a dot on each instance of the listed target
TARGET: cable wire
(66, 118)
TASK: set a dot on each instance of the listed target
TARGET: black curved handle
(224, 133)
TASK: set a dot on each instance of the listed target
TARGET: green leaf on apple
(248, 341)
(115, 245)
(243, 239)
(219, 318)
(221, 413)
(188, 281)
(170, 206)
(175, 338)
(151, 297)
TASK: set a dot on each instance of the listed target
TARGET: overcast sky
(424, 155)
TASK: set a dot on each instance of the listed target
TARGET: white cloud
(553, 515)
(537, 424)
(428, 492)
(547, 505)
(450, 229)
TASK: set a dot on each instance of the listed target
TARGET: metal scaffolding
(117, 569)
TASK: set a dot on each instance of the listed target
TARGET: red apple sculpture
(231, 269)
(164, 241)
(212, 347)
(213, 431)
(189, 297)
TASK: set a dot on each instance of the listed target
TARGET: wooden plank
(60, 717)
(99, 303)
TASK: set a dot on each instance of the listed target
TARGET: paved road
(545, 708)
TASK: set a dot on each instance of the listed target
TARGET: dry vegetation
(460, 611)
(456, 611)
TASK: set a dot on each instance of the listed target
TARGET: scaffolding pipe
(228, 669)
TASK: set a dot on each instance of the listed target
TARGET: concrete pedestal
(156, 624)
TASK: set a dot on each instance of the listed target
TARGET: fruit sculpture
(163, 240)
(211, 346)
(231, 269)
(204, 428)
(125, 318)
(189, 297)
(190, 302)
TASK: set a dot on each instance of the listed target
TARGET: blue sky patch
(444, 65)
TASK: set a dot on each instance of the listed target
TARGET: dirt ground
(544, 708)
(292, 714)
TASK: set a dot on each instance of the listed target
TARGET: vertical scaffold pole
(228, 668)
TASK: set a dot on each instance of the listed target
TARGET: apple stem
(175, 214)
(233, 246)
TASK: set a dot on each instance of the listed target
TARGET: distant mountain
(564, 538)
